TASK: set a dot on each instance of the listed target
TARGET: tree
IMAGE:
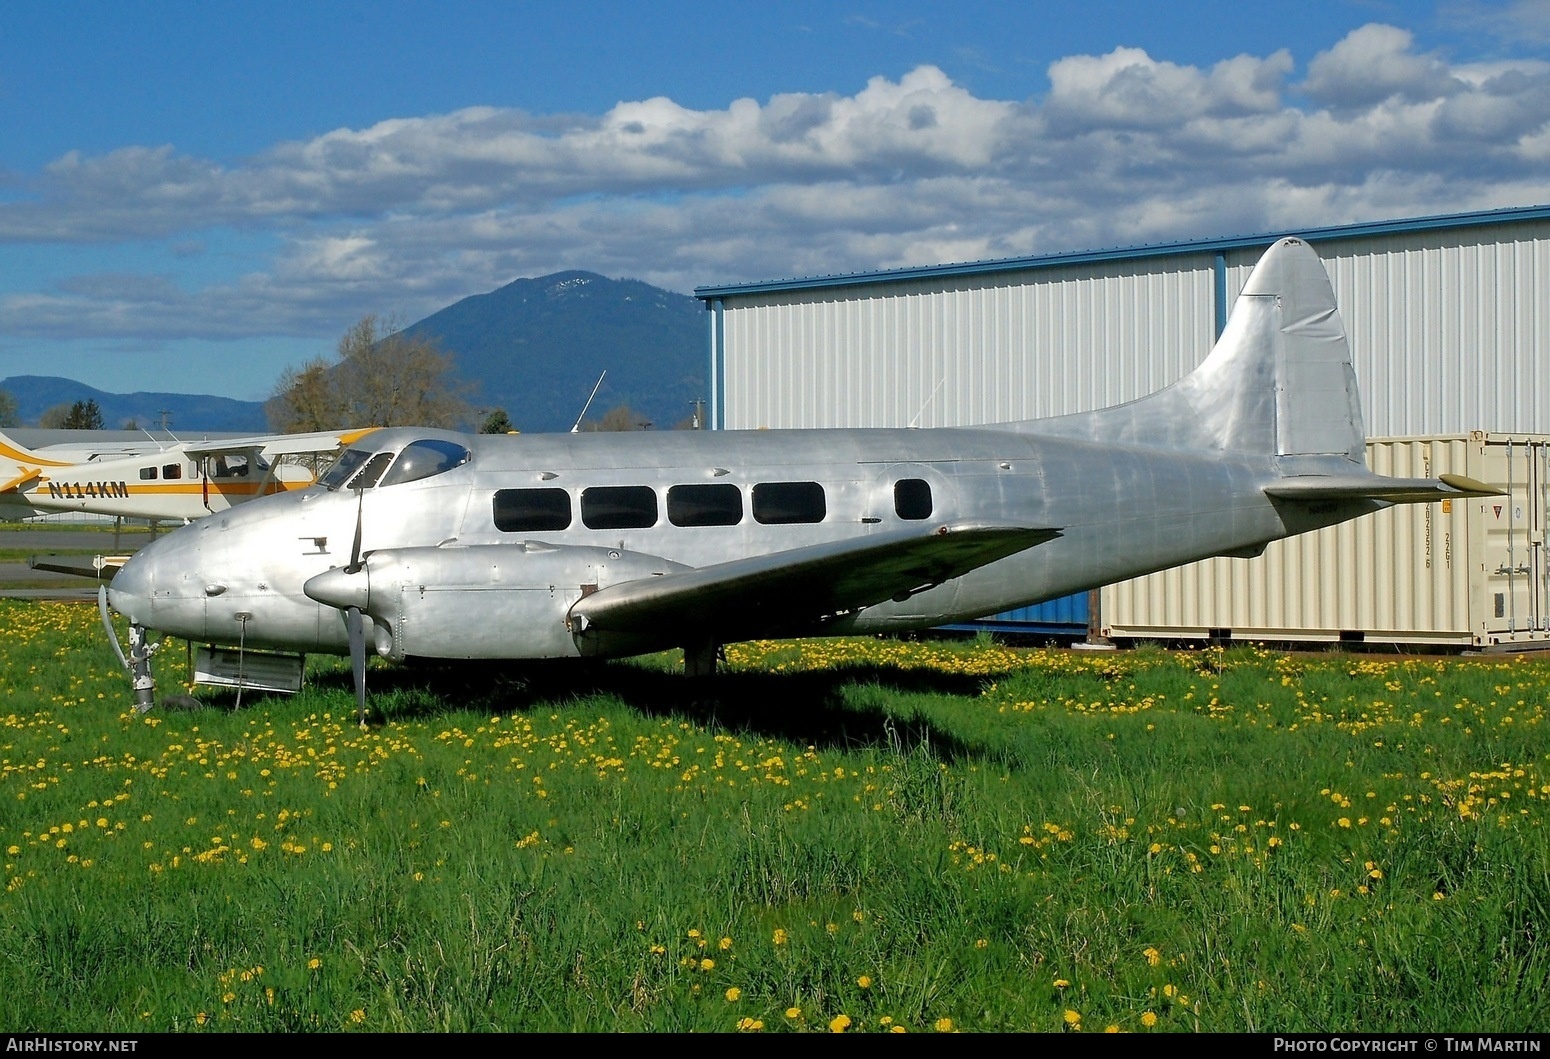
(619, 418)
(82, 415)
(497, 422)
(379, 377)
(9, 417)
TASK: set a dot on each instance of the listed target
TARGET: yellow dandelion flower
(781, 937)
(839, 1024)
(865, 981)
(314, 963)
(1072, 1018)
(734, 994)
(748, 1025)
(944, 1025)
(358, 1016)
(1061, 983)
(1148, 1019)
(707, 964)
(1153, 957)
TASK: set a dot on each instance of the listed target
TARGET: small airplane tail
(1278, 382)
(20, 465)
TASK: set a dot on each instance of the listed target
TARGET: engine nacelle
(482, 601)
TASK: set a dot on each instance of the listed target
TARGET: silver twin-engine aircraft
(430, 544)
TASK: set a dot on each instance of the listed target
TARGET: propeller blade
(355, 628)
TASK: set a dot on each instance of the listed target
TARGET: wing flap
(1377, 487)
(803, 587)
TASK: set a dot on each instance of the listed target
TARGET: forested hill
(536, 347)
(183, 412)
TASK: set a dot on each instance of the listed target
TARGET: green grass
(867, 834)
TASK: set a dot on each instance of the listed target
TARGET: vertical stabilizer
(1279, 381)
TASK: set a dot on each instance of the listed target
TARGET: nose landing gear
(138, 661)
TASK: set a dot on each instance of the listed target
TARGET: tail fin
(20, 465)
(1279, 381)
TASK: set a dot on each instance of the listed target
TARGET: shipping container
(1458, 573)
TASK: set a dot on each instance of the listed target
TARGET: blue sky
(195, 195)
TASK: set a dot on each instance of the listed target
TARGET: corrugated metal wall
(1450, 331)
(933, 353)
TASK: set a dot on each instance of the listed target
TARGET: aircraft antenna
(160, 446)
(927, 403)
(584, 407)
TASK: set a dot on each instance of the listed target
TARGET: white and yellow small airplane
(176, 482)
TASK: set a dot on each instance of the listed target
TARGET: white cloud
(407, 215)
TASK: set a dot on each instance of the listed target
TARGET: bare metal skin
(1262, 441)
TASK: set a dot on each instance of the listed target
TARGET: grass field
(858, 835)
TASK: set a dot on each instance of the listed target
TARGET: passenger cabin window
(421, 459)
(147, 474)
(912, 498)
(705, 505)
(172, 470)
(619, 507)
(532, 510)
(785, 503)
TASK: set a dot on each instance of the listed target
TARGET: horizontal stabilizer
(1377, 487)
(799, 589)
(28, 474)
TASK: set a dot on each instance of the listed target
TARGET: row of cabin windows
(220, 467)
(611, 507)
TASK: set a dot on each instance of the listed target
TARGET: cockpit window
(421, 459)
(368, 475)
(347, 464)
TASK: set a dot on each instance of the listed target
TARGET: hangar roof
(1482, 218)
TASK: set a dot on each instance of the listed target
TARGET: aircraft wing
(1377, 487)
(278, 444)
(803, 587)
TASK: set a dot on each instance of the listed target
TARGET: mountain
(36, 394)
(536, 347)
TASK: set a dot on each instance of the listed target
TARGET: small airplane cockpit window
(912, 498)
(421, 459)
(347, 464)
(172, 470)
(147, 474)
(619, 507)
(229, 465)
(531, 510)
(785, 503)
(720, 504)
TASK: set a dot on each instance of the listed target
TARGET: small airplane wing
(278, 444)
(1377, 487)
(803, 587)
